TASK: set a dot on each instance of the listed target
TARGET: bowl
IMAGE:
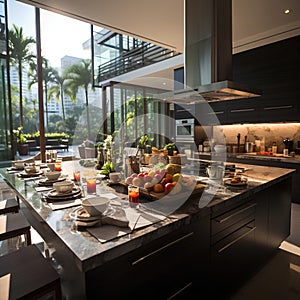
(52, 175)
(19, 165)
(30, 169)
(63, 186)
(95, 205)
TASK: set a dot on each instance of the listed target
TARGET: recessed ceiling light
(287, 11)
(164, 83)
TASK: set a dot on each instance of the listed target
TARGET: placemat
(136, 218)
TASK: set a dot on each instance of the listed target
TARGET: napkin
(114, 225)
(64, 204)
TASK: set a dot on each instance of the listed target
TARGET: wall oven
(185, 129)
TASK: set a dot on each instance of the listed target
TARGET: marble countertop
(89, 253)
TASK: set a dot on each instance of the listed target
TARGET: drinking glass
(91, 184)
(57, 166)
(76, 176)
(133, 196)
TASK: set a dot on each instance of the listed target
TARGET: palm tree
(19, 50)
(80, 75)
(59, 90)
(48, 74)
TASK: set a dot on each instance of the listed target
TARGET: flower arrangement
(20, 136)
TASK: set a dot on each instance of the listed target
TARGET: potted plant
(21, 140)
(170, 147)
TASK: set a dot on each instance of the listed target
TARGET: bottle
(274, 147)
(100, 159)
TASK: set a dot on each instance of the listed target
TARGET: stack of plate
(53, 195)
(23, 174)
(82, 218)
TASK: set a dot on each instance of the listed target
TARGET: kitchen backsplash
(266, 132)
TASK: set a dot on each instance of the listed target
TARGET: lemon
(176, 177)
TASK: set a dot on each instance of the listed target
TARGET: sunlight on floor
(286, 246)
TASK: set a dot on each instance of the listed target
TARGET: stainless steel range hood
(208, 51)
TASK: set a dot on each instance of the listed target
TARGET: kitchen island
(176, 256)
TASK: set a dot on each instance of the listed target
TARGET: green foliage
(19, 135)
(143, 141)
(107, 168)
(170, 146)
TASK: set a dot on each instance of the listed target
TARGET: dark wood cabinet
(233, 246)
(168, 267)
(244, 236)
(274, 69)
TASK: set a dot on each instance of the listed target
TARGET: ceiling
(255, 22)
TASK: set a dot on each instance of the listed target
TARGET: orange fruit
(169, 177)
(158, 188)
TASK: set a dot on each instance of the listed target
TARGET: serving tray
(150, 195)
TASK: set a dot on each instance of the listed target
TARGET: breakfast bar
(187, 249)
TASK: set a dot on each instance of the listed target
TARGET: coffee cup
(115, 177)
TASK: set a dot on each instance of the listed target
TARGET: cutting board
(150, 195)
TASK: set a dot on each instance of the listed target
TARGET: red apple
(133, 175)
(164, 181)
(168, 187)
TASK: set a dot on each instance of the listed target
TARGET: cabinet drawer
(233, 228)
(232, 239)
(231, 217)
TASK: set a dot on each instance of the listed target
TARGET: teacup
(115, 177)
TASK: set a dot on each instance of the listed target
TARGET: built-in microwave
(185, 129)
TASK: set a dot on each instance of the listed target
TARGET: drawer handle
(242, 110)
(180, 291)
(236, 240)
(234, 214)
(162, 248)
(216, 113)
(278, 107)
